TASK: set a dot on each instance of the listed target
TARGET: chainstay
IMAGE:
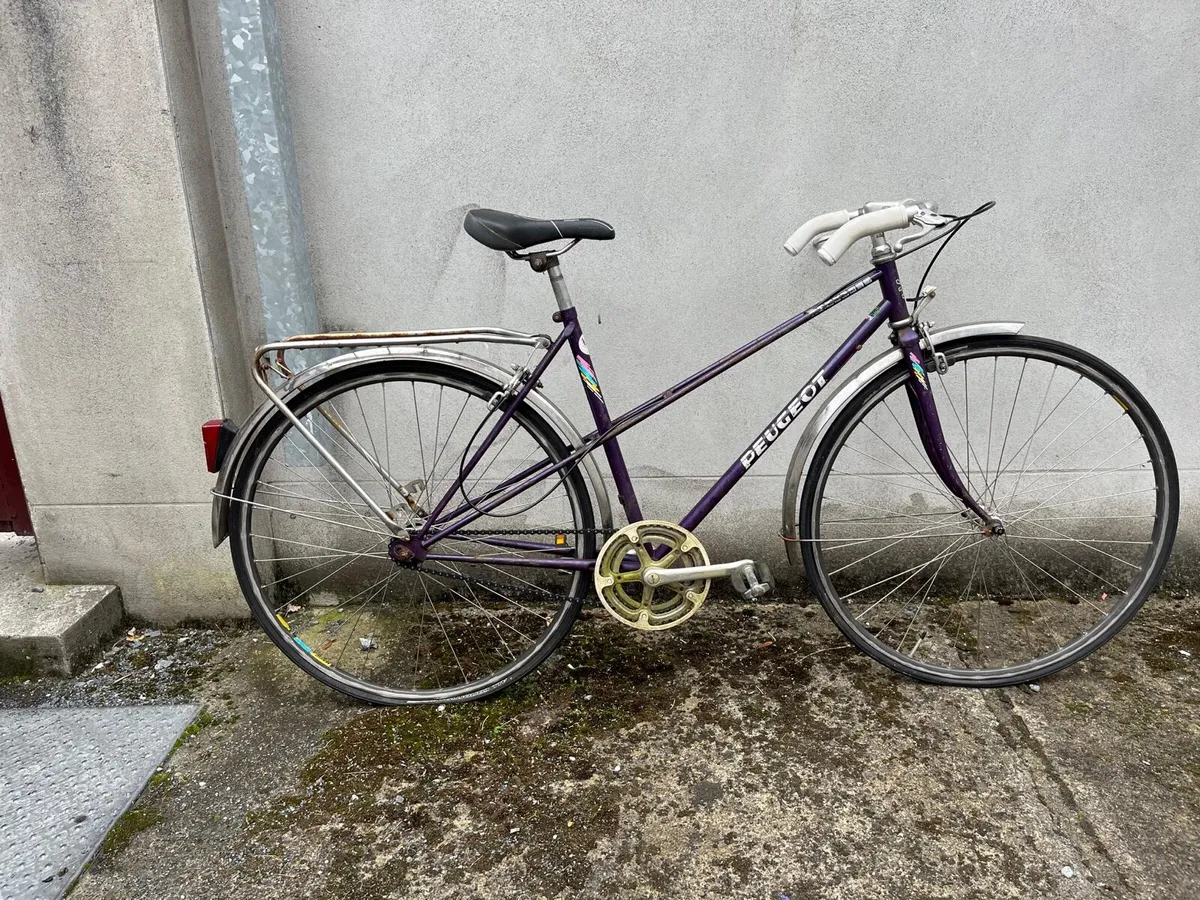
(534, 593)
(576, 531)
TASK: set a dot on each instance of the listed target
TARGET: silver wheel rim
(943, 601)
(322, 597)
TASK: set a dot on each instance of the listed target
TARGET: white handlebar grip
(813, 227)
(857, 229)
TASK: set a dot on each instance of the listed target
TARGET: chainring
(628, 553)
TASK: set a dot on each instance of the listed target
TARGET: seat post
(558, 283)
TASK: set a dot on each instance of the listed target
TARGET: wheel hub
(402, 551)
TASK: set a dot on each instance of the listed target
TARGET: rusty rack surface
(352, 339)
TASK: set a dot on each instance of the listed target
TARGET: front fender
(258, 419)
(834, 403)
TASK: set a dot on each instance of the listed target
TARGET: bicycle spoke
(906, 572)
(429, 628)
(922, 533)
(374, 450)
(920, 454)
(966, 436)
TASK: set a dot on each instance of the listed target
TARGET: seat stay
(511, 405)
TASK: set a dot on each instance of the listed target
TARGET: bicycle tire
(241, 538)
(866, 636)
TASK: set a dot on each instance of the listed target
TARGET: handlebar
(849, 226)
(861, 227)
(814, 226)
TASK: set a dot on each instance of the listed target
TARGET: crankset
(661, 548)
(654, 575)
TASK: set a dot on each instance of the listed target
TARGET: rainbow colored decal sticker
(918, 369)
(588, 376)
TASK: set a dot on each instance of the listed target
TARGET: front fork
(920, 399)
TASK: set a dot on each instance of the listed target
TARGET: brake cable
(958, 222)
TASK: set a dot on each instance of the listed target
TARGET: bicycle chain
(539, 594)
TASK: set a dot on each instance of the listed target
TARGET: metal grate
(67, 776)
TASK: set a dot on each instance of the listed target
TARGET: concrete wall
(107, 362)
(706, 133)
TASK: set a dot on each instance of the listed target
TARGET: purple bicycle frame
(893, 309)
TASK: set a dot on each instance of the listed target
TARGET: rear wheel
(313, 560)
(1055, 442)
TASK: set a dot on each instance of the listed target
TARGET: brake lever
(928, 219)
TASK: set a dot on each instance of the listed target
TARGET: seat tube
(920, 391)
(569, 317)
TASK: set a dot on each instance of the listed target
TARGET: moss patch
(525, 760)
(1175, 649)
(529, 778)
(127, 827)
(203, 719)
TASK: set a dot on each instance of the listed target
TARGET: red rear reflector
(218, 435)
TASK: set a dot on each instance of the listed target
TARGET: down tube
(786, 416)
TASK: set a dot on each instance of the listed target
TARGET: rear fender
(259, 419)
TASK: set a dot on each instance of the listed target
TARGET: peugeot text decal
(785, 418)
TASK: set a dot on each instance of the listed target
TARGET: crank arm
(654, 576)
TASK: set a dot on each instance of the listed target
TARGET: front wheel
(1057, 444)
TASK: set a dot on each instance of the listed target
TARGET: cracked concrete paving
(698, 762)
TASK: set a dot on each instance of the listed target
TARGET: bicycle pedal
(753, 581)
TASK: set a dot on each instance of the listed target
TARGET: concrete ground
(749, 753)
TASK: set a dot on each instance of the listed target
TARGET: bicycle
(412, 523)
